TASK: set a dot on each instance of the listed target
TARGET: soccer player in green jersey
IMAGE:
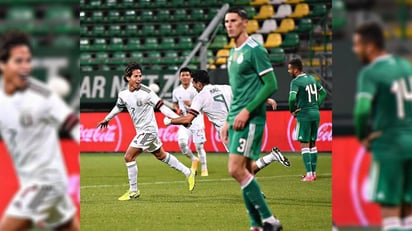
(252, 81)
(384, 94)
(305, 96)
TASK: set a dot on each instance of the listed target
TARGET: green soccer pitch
(215, 204)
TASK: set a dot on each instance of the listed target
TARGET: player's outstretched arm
(116, 110)
(183, 120)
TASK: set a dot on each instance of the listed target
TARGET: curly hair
(10, 40)
(129, 70)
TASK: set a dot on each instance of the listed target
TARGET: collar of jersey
(382, 57)
(301, 75)
(243, 44)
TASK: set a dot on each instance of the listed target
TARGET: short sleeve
(260, 60)
(120, 103)
(154, 100)
(366, 87)
(293, 87)
(174, 96)
(57, 110)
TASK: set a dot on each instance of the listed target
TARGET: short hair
(10, 40)
(296, 63)
(201, 76)
(129, 70)
(239, 11)
(372, 32)
(185, 69)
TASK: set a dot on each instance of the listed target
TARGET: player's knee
(183, 147)
(233, 171)
(199, 147)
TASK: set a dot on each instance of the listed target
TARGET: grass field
(215, 203)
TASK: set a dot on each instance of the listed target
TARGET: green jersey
(246, 65)
(387, 82)
(307, 91)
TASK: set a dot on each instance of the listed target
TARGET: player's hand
(272, 103)
(370, 138)
(167, 121)
(103, 124)
(187, 103)
(295, 112)
(224, 133)
(179, 112)
(241, 119)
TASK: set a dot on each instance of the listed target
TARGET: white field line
(197, 181)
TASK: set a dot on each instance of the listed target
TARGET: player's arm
(116, 110)
(272, 103)
(293, 91)
(183, 120)
(270, 86)
(322, 93)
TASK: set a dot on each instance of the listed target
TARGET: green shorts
(391, 181)
(306, 131)
(246, 142)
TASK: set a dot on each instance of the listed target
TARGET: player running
(214, 101)
(29, 123)
(140, 102)
(305, 96)
(182, 99)
(384, 93)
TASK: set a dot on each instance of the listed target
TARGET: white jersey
(214, 101)
(29, 124)
(179, 96)
(140, 104)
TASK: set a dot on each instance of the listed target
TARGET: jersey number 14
(311, 90)
(402, 95)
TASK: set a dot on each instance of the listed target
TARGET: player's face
(18, 67)
(135, 79)
(360, 48)
(292, 71)
(235, 25)
(185, 78)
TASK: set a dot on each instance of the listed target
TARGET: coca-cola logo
(169, 133)
(111, 134)
(324, 133)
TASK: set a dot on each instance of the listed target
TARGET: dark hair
(10, 40)
(372, 32)
(201, 76)
(185, 69)
(239, 11)
(296, 63)
(129, 69)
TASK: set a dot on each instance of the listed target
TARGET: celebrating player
(182, 99)
(140, 102)
(29, 122)
(384, 93)
(305, 96)
(214, 101)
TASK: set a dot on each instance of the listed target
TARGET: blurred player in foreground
(140, 102)
(384, 94)
(214, 101)
(182, 99)
(29, 123)
(305, 96)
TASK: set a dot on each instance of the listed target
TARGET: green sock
(313, 159)
(306, 159)
(254, 216)
(253, 193)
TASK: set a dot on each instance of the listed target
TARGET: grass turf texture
(215, 203)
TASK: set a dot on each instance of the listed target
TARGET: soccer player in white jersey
(214, 101)
(29, 122)
(140, 102)
(182, 99)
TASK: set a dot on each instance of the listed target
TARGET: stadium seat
(185, 43)
(85, 58)
(154, 57)
(97, 16)
(84, 44)
(128, 4)
(116, 44)
(156, 67)
(180, 15)
(167, 43)
(105, 68)
(119, 68)
(20, 14)
(273, 40)
(150, 43)
(146, 16)
(59, 13)
(268, 26)
(258, 38)
(252, 26)
(86, 68)
(339, 15)
(212, 13)
(318, 10)
(177, 3)
(250, 11)
(266, 11)
(259, 2)
(198, 28)
(99, 44)
(113, 16)
(321, 47)
(110, 4)
(277, 2)
(293, 1)
(130, 15)
(98, 30)
(118, 58)
(301, 10)
(283, 11)
(221, 56)
(160, 3)
(286, 25)
(197, 14)
(131, 30)
(182, 29)
(136, 56)
(305, 25)
(147, 30)
(163, 15)
(277, 55)
(95, 4)
(83, 17)
(165, 29)
(219, 42)
(170, 57)
(133, 44)
(101, 58)
(114, 30)
(144, 4)
(291, 40)
(241, 2)
(230, 44)
(84, 30)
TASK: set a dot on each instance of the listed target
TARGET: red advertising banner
(9, 183)
(351, 206)
(279, 131)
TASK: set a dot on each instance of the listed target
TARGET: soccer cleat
(280, 157)
(255, 229)
(204, 172)
(129, 195)
(307, 179)
(191, 179)
(195, 164)
(314, 176)
(272, 227)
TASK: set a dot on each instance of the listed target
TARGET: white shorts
(45, 205)
(198, 135)
(148, 142)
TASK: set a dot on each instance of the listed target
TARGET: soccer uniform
(307, 90)
(197, 128)
(387, 82)
(246, 64)
(29, 125)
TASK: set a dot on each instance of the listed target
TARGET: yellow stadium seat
(230, 44)
(293, 1)
(259, 2)
(273, 40)
(221, 56)
(322, 48)
(266, 11)
(286, 25)
(252, 26)
(301, 10)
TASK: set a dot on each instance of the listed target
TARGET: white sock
(186, 150)
(173, 162)
(202, 155)
(313, 150)
(407, 223)
(265, 161)
(132, 173)
(391, 223)
(271, 220)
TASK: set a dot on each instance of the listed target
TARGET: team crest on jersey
(26, 119)
(240, 59)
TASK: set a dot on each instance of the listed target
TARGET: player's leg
(199, 138)
(313, 150)
(72, 225)
(183, 135)
(9, 223)
(274, 155)
(302, 131)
